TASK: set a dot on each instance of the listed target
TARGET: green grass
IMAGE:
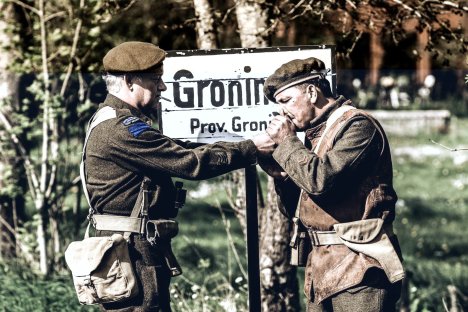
(432, 215)
(213, 260)
(23, 291)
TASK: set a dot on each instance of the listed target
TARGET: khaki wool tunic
(120, 152)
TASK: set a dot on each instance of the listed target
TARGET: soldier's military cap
(293, 73)
(133, 56)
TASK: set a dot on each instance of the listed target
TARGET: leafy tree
(54, 47)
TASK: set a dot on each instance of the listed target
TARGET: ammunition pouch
(159, 233)
(300, 244)
(370, 237)
(300, 252)
(161, 230)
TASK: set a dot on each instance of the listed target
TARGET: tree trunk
(252, 20)
(8, 85)
(278, 278)
(206, 34)
(41, 232)
(279, 285)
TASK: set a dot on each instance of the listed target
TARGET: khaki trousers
(374, 294)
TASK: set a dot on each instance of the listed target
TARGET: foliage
(24, 291)
(432, 212)
(50, 40)
(352, 18)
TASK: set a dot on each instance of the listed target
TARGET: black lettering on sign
(244, 126)
(237, 92)
(189, 102)
(200, 86)
(194, 124)
(210, 127)
(220, 87)
(235, 84)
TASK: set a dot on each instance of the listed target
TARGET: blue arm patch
(138, 128)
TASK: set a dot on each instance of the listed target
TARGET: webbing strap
(337, 113)
(321, 238)
(101, 115)
(119, 223)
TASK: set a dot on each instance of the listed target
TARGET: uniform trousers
(374, 294)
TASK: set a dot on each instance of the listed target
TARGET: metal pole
(253, 260)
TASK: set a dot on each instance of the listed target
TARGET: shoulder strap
(337, 114)
(101, 115)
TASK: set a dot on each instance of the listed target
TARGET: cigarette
(165, 99)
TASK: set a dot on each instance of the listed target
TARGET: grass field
(432, 214)
(432, 184)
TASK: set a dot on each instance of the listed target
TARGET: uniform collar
(118, 104)
(318, 122)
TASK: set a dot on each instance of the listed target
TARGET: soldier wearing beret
(124, 152)
(337, 188)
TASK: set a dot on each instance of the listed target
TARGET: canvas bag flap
(369, 238)
(83, 257)
(360, 232)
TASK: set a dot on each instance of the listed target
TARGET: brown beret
(293, 73)
(133, 56)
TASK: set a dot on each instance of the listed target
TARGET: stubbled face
(147, 90)
(296, 104)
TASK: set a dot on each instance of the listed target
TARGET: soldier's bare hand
(280, 128)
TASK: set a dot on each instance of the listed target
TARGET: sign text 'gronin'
(216, 92)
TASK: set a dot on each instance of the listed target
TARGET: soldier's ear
(128, 82)
(312, 92)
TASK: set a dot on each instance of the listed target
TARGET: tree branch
(54, 15)
(46, 107)
(25, 6)
(73, 52)
(449, 148)
(31, 175)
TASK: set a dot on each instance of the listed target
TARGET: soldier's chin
(151, 109)
(299, 128)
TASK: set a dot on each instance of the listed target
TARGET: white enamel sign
(217, 95)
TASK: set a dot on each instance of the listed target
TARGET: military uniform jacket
(349, 180)
(123, 150)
